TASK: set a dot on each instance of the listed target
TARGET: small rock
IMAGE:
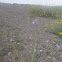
(18, 43)
(14, 36)
(30, 44)
(40, 50)
(47, 40)
(29, 51)
(49, 57)
(37, 17)
(60, 55)
(9, 53)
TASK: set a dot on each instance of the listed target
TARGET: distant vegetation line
(54, 12)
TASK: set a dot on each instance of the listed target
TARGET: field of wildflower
(49, 12)
(30, 33)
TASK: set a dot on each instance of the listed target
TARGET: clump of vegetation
(49, 12)
(46, 11)
(5, 50)
(56, 29)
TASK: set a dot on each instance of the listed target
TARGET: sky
(37, 2)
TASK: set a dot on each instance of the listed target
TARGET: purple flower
(34, 22)
(57, 45)
(11, 40)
